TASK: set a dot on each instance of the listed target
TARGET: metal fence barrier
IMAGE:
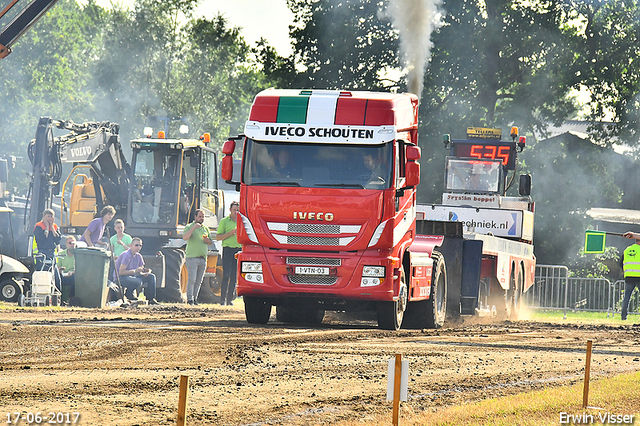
(553, 288)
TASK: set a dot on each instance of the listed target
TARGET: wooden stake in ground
(587, 372)
(182, 401)
(396, 389)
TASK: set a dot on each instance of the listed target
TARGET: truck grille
(313, 228)
(313, 241)
(291, 260)
(339, 240)
(312, 279)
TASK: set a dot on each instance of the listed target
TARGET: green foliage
(603, 265)
(343, 44)
(86, 63)
(606, 63)
(570, 175)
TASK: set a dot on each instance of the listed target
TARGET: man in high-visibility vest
(631, 268)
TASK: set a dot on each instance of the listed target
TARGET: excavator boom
(21, 22)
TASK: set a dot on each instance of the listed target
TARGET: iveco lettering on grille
(327, 217)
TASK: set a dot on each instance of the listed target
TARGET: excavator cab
(170, 180)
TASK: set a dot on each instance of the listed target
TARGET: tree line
(493, 63)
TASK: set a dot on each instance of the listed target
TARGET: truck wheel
(437, 302)
(390, 314)
(299, 316)
(430, 313)
(256, 310)
(515, 295)
(10, 291)
(173, 260)
(284, 314)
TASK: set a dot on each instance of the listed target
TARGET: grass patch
(619, 395)
(581, 316)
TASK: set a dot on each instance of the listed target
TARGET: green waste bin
(92, 270)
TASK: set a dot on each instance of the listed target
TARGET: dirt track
(122, 366)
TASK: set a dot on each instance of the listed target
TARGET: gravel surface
(123, 366)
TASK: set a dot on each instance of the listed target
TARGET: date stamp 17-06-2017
(46, 418)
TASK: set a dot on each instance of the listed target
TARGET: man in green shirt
(227, 229)
(67, 265)
(196, 234)
(121, 241)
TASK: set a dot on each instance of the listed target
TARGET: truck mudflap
(463, 259)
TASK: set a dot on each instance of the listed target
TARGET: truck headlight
(372, 275)
(251, 267)
(373, 271)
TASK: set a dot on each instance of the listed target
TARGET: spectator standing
(133, 274)
(95, 230)
(631, 267)
(47, 239)
(121, 241)
(196, 234)
(227, 230)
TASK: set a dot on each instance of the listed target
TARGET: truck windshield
(318, 165)
(472, 175)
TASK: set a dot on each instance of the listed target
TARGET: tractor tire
(210, 290)
(173, 260)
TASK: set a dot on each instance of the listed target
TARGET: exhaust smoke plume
(415, 20)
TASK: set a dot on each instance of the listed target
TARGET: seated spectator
(133, 275)
(121, 241)
(67, 267)
(47, 238)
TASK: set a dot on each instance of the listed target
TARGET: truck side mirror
(413, 153)
(524, 186)
(412, 174)
(226, 171)
(229, 147)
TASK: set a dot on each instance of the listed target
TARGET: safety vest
(631, 264)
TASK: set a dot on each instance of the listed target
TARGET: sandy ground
(123, 366)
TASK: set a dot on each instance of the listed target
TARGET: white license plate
(311, 270)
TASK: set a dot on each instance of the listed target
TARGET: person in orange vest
(631, 268)
(47, 239)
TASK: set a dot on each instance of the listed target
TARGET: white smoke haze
(415, 20)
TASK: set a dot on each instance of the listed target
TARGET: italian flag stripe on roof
(331, 107)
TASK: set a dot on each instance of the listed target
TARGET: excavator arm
(94, 144)
(21, 22)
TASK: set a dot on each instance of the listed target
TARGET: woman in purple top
(94, 231)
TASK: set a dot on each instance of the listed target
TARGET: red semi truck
(327, 217)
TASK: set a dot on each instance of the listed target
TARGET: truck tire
(287, 314)
(257, 310)
(391, 314)
(10, 290)
(437, 302)
(284, 314)
(173, 260)
(430, 313)
(514, 301)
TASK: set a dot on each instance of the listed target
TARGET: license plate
(311, 270)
